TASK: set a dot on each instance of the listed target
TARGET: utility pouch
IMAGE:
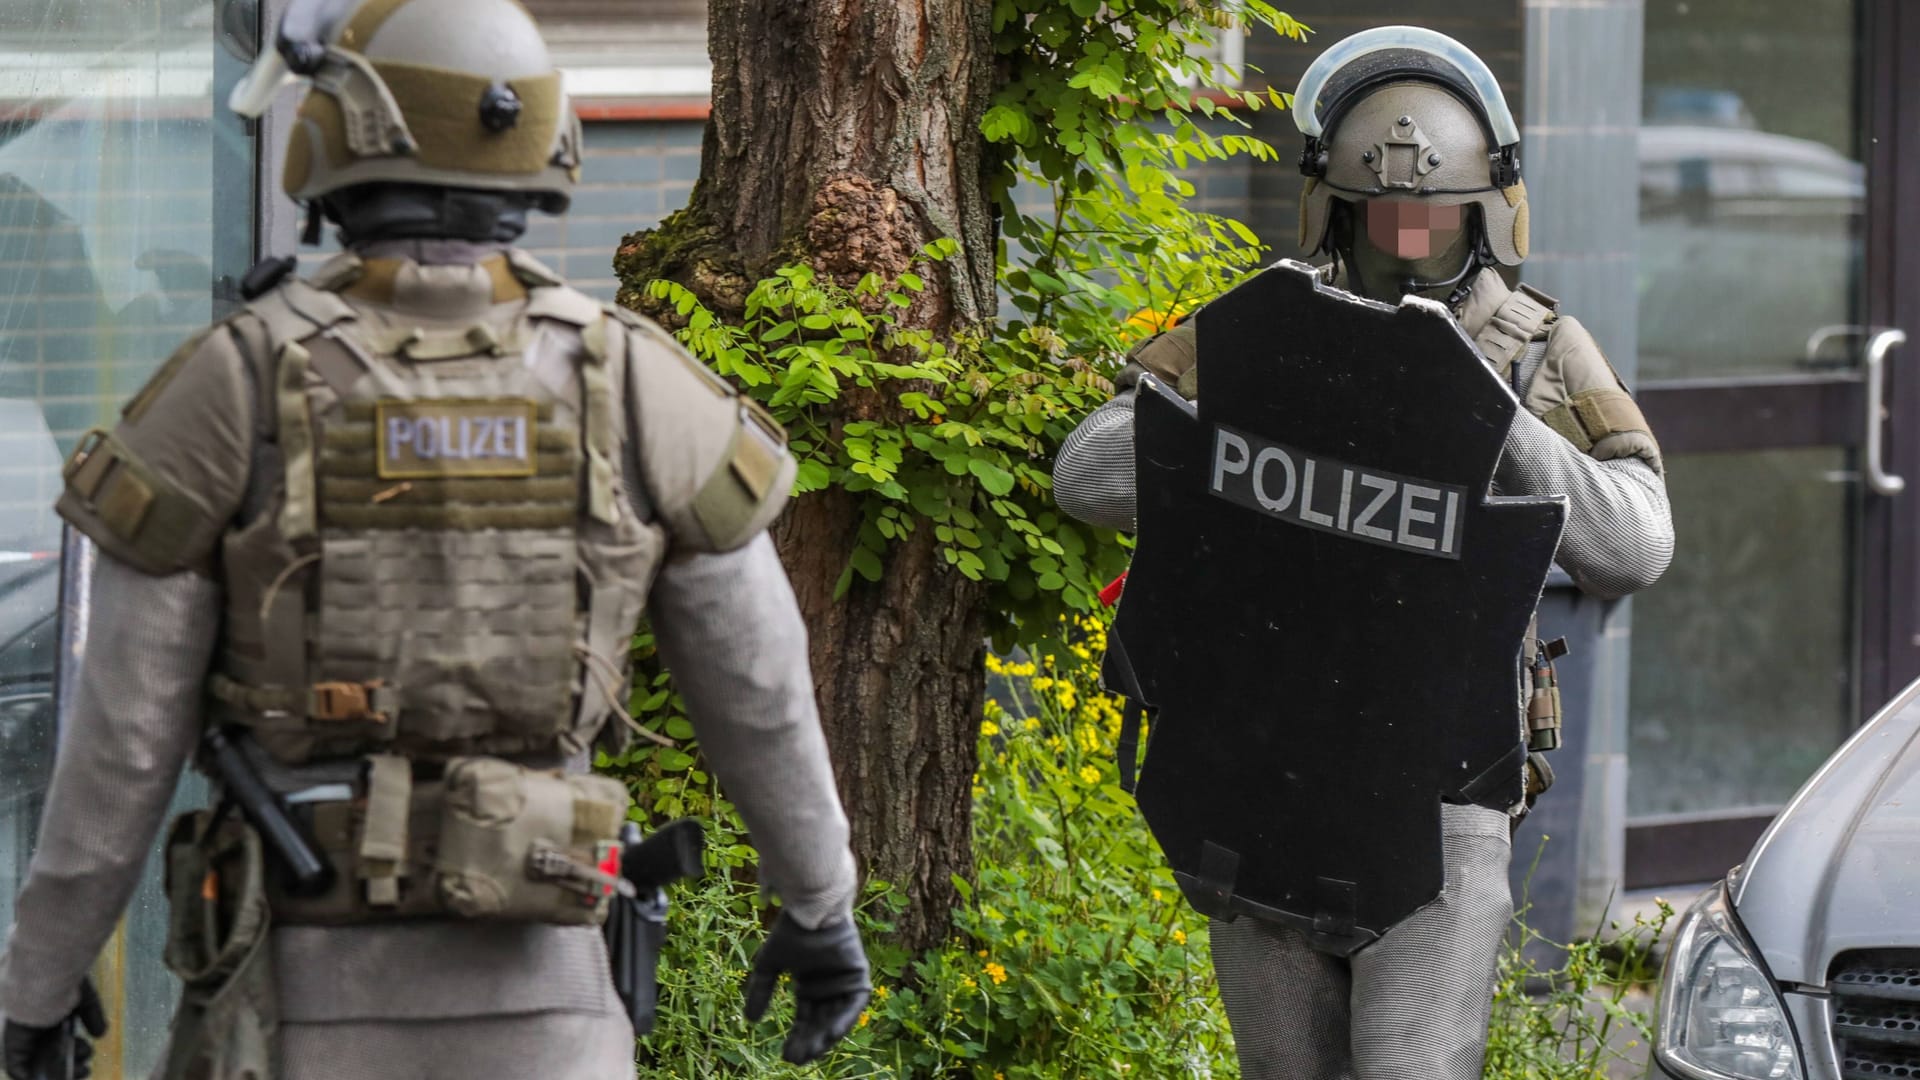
(227, 1025)
(1543, 707)
(526, 845)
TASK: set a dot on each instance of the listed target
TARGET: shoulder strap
(1581, 397)
(1523, 316)
(292, 313)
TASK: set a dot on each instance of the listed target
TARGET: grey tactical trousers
(1411, 1006)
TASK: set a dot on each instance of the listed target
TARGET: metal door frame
(1828, 409)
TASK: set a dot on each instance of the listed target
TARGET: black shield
(1325, 609)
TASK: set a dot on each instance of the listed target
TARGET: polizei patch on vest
(1354, 501)
(490, 437)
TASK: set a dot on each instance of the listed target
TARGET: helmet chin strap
(1461, 283)
(1342, 239)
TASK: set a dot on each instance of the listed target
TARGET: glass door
(126, 194)
(1765, 339)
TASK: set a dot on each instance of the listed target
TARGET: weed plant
(1074, 955)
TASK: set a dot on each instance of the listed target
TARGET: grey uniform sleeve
(730, 629)
(1619, 533)
(1093, 476)
(134, 723)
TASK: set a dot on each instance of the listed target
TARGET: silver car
(1804, 963)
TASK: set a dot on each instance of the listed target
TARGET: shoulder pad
(715, 462)
(749, 490)
(653, 332)
(156, 491)
(1579, 395)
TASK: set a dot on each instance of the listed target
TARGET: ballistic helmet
(435, 93)
(1403, 114)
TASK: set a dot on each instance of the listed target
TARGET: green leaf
(995, 479)
(866, 564)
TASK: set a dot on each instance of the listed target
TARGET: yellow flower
(1042, 683)
(1089, 774)
(1056, 744)
(967, 981)
(1032, 723)
(864, 1017)
(1158, 895)
(997, 973)
(995, 665)
(989, 728)
(880, 993)
(982, 954)
(1179, 937)
(1067, 696)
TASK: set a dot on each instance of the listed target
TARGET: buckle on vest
(349, 702)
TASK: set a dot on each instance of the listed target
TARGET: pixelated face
(1411, 229)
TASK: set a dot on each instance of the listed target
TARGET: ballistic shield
(1326, 608)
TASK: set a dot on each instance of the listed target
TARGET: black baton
(308, 872)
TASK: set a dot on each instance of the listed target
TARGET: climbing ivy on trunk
(875, 178)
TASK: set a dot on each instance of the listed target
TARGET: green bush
(1073, 956)
(1575, 1020)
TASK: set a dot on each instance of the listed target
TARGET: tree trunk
(845, 134)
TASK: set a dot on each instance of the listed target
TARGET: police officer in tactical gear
(391, 528)
(1413, 187)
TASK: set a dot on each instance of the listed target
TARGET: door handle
(1879, 480)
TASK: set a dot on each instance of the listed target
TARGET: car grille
(1876, 1014)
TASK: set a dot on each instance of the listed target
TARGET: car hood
(1839, 869)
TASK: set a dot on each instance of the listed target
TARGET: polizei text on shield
(1353, 501)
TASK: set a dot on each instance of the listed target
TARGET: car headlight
(1721, 1017)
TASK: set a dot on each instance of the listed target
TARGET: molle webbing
(1521, 318)
(597, 418)
(353, 496)
(297, 517)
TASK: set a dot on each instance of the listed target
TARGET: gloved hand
(58, 1052)
(830, 985)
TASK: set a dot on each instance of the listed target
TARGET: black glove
(57, 1052)
(830, 984)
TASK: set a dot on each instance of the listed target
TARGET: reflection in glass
(113, 165)
(1742, 656)
(1752, 194)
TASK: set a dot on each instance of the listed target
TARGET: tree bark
(845, 134)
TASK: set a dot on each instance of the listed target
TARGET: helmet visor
(1390, 53)
(299, 46)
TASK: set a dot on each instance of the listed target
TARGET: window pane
(113, 167)
(1743, 654)
(1752, 194)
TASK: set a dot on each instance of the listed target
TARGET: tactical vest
(445, 561)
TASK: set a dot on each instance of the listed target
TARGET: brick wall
(633, 175)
